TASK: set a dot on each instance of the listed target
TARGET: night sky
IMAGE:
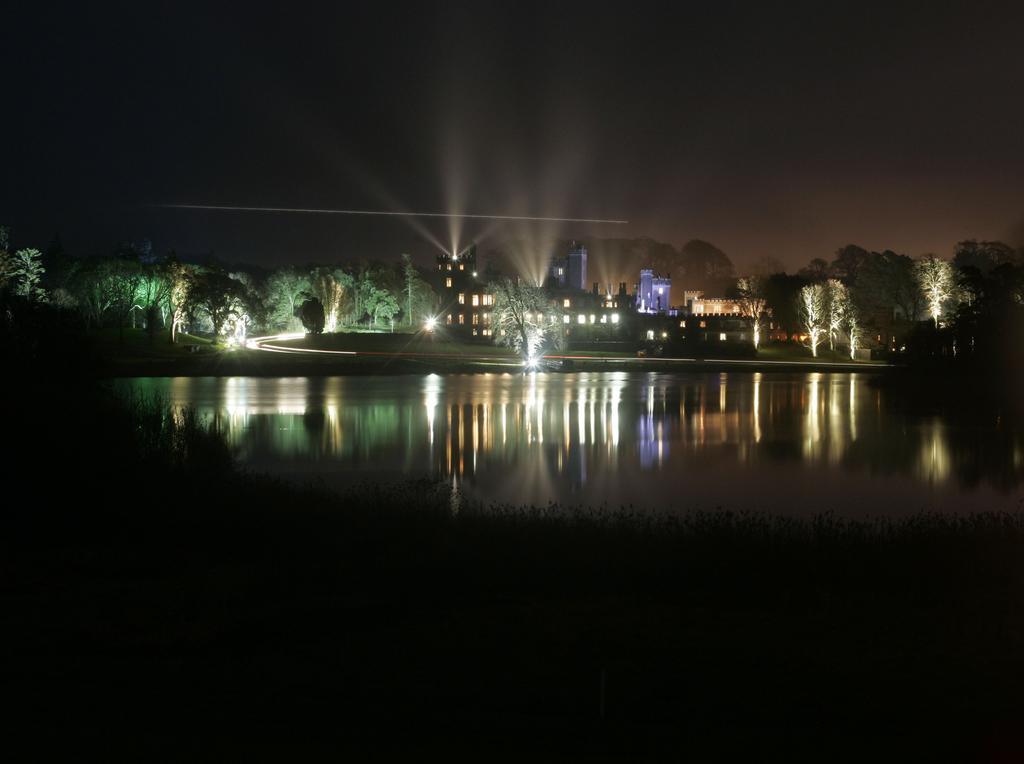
(782, 132)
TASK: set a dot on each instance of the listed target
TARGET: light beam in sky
(225, 208)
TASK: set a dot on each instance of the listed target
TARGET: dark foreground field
(158, 604)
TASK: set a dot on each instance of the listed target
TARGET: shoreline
(249, 363)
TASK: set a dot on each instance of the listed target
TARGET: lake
(795, 443)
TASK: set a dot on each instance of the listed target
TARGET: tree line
(162, 294)
(861, 299)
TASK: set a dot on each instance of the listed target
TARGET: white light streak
(386, 213)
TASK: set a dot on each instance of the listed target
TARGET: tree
(220, 297)
(380, 304)
(179, 283)
(816, 270)
(837, 300)
(753, 305)
(154, 295)
(936, 281)
(22, 272)
(811, 307)
(329, 285)
(420, 300)
(124, 275)
(311, 313)
(285, 291)
(524, 318)
(848, 262)
(781, 291)
(706, 266)
(983, 255)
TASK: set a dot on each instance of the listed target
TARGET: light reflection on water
(784, 442)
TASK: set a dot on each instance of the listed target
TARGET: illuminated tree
(22, 272)
(381, 305)
(221, 298)
(752, 303)
(179, 284)
(329, 285)
(524, 318)
(853, 329)
(937, 283)
(811, 306)
(837, 302)
(285, 291)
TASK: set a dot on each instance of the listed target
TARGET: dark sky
(784, 132)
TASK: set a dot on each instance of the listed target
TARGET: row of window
(477, 299)
(475, 318)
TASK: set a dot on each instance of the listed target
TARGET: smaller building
(654, 293)
(699, 305)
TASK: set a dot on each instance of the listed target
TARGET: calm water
(795, 443)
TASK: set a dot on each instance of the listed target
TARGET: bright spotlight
(430, 324)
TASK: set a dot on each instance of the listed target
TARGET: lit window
(488, 299)
(566, 302)
(449, 318)
(449, 266)
(615, 318)
(462, 318)
(682, 324)
(593, 318)
(448, 282)
(561, 272)
(650, 334)
(462, 266)
(462, 298)
(476, 299)
(565, 319)
(604, 319)
(661, 291)
(476, 319)
(721, 336)
(581, 319)
(703, 324)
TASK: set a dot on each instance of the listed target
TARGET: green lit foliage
(524, 318)
(381, 304)
(284, 292)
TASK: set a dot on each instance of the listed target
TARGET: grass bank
(138, 354)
